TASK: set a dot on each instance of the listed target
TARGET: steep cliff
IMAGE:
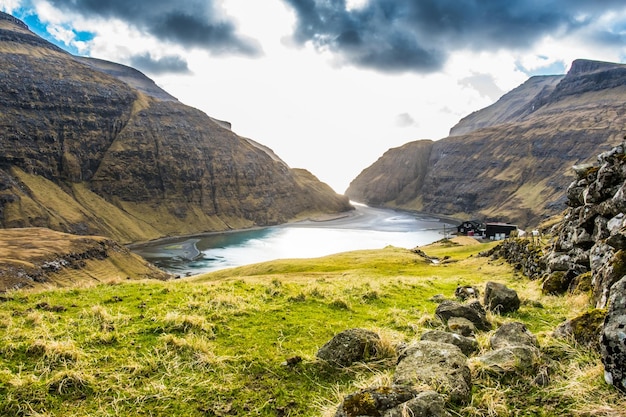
(88, 146)
(505, 162)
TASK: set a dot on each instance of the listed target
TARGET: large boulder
(472, 312)
(500, 299)
(392, 402)
(350, 346)
(613, 341)
(441, 366)
(468, 345)
(513, 334)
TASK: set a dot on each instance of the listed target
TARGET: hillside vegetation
(243, 341)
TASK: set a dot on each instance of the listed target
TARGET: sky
(330, 85)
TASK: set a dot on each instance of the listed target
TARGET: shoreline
(319, 219)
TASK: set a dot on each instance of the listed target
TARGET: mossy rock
(619, 263)
(558, 282)
(581, 284)
(584, 329)
(374, 401)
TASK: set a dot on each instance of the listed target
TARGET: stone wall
(592, 236)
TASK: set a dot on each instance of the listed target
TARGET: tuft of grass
(177, 322)
(71, 384)
(55, 352)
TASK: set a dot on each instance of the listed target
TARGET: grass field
(219, 344)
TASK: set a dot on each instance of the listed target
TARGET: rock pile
(435, 370)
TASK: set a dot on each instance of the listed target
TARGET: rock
(448, 309)
(441, 366)
(462, 326)
(350, 346)
(465, 292)
(585, 329)
(500, 299)
(374, 401)
(509, 360)
(558, 282)
(513, 334)
(437, 298)
(613, 341)
(426, 404)
(468, 345)
(392, 402)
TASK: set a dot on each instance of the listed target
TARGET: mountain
(505, 162)
(93, 147)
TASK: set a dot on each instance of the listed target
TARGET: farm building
(499, 231)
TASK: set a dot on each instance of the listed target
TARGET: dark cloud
(163, 65)
(191, 23)
(418, 35)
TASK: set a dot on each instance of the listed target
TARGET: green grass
(217, 345)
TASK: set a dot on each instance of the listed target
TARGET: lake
(364, 228)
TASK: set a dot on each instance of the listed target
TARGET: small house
(499, 231)
(470, 228)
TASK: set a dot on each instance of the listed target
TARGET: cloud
(190, 23)
(484, 84)
(405, 120)
(164, 65)
(419, 35)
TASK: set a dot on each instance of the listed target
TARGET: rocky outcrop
(506, 163)
(92, 147)
(36, 257)
(592, 236)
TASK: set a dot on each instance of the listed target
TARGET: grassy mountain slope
(506, 162)
(124, 158)
(243, 341)
(40, 257)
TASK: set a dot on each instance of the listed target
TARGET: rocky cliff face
(93, 147)
(505, 162)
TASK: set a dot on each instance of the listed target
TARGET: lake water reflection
(365, 228)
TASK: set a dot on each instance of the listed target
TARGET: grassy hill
(243, 341)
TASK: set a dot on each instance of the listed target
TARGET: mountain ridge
(86, 152)
(504, 162)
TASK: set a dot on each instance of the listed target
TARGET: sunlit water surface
(366, 228)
